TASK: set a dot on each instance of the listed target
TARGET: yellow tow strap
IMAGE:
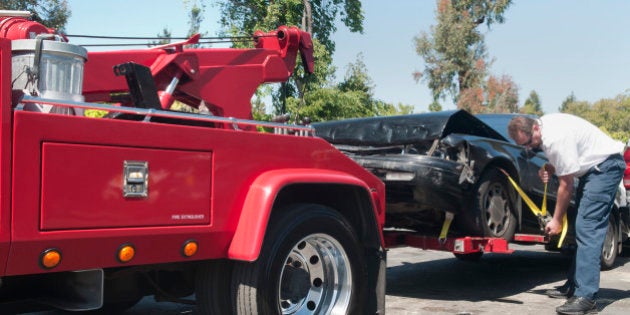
(448, 218)
(541, 213)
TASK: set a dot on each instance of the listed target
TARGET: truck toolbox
(99, 201)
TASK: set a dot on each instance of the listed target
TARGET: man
(577, 149)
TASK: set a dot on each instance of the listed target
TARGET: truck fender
(250, 231)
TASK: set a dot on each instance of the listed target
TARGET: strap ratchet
(540, 213)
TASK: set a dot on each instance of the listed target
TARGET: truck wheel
(611, 245)
(492, 211)
(212, 287)
(310, 263)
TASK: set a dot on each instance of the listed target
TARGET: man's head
(525, 131)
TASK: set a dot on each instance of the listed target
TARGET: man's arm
(565, 190)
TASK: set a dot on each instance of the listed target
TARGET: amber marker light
(126, 252)
(190, 248)
(50, 258)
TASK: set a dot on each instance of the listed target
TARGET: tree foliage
(318, 17)
(567, 101)
(532, 105)
(497, 95)
(196, 8)
(612, 115)
(51, 13)
(195, 16)
(454, 50)
(435, 106)
(502, 95)
(164, 38)
(353, 97)
(312, 95)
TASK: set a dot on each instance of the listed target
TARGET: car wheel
(611, 245)
(492, 210)
(310, 263)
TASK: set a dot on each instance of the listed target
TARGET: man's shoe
(561, 292)
(577, 305)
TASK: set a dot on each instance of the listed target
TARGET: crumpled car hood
(403, 129)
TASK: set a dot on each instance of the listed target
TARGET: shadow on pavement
(493, 277)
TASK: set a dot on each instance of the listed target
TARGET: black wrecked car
(451, 161)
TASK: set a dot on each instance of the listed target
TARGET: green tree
(164, 38)
(353, 97)
(318, 17)
(435, 107)
(578, 108)
(331, 104)
(454, 51)
(195, 18)
(357, 78)
(51, 13)
(386, 109)
(612, 115)
(532, 104)
(358, 82)
(567, 101)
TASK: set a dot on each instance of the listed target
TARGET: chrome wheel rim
(609, 244)
(496, 205)
(316, 277)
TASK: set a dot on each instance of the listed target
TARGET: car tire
(492, 208)
(310, 262)
(611, 245)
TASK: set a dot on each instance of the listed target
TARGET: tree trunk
(307, 18)
(307, 25)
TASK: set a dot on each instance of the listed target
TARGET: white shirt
(574, 145)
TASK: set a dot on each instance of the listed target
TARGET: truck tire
(611, 245)
(213, 280)
(310, 263)
(492, 208)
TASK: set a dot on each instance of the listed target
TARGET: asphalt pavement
(424, 282)
(436, 283)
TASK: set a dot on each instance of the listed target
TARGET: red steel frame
(5, 147)
(458, 245)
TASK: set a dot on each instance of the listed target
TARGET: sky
(553, 47)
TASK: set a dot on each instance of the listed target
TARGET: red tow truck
(96, 213)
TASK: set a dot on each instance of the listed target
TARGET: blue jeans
(595, 196)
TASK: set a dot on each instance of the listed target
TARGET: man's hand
(544, 175)
(554, 227)
(545, 171)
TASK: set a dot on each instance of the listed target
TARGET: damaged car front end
(438, 163)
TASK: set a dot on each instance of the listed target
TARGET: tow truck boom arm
(224, 79)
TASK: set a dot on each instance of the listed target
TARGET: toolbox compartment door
(83, 187)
